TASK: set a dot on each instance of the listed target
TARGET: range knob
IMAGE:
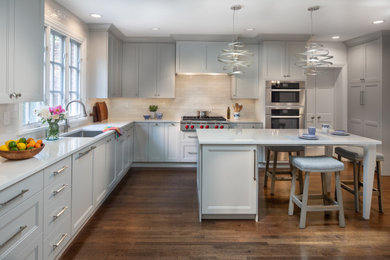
(216, 126)
(186, 126)
(192, 126)
(201, 126)
(221, 127)
(207, 126)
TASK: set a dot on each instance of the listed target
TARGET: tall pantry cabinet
(368, 92)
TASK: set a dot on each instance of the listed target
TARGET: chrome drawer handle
(61, 240)
(109, 140)
(192, 153)
(21, 228)
(60, 170)
(11, 199)
(55, 192)
(60, 213)
(193, 137)
(255, 166)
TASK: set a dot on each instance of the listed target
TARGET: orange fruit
(39, 141)
(29, 140)
(37, 145)
(31, 144)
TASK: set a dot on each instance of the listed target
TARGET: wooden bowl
(21, 155)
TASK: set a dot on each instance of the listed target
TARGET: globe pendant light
(235, 57)
(315, 55)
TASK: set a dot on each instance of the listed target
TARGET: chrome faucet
(66, 128)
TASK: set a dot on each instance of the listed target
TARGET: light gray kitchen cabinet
(189, 147)
(104, 56)
(141, 142)
(128, 147)
(119, 163)
(156, 142)
(280, 58)
(21, 64)
(165, 87)
(246, 85)
(82, 187)
(172, 142)
(213, 50)
(110, 162)
(147, 70)
(101, 177)
(190, 57)
(130, 70)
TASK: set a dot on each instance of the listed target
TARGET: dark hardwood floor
(153, 214)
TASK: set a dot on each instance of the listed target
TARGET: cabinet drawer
(189, 153)
(55, 171)
(19, 192)
(23, 223)
(189, 138)
(55, 191)
(57, 240)
(55, 212)
(32, 250)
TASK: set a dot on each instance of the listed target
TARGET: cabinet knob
(18, 95)
(318, 117)
(156, 124)
(12, 95)
(312, 117)
(172, 124)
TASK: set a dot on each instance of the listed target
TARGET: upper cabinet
(104, 64)
(21, 50)
(199, 57)
(148, 70)
(280, 58)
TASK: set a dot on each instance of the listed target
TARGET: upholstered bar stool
(355, 155)
(320, 164)
(275, 173)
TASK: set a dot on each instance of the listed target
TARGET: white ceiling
(135, 18)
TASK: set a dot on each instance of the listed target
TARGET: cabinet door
(190, 57)
(274, 55)
(324, 106)
(141, 142)
(110, 162)
(82, 188)
(130, 70)
(27, 67)
(114, 66)
(355, 109)
(373, 60)
(293, 71)
(310, 102)
(229, 179)
(147, 70)
(166, 71)
(213, 50)
(100, 173)
(156, 142)
(172, 144)
(356, 63)
(372, 105)
(119, 157)
(247, 84)
(4, 37)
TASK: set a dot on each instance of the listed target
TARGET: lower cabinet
(156, 142)
(82, 187)
(101, 177)
(141, 142)
(172, 142)
(110, 162)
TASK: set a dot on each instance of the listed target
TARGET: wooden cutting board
(102, 111)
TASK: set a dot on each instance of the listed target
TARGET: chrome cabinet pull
(85, 153)
(192, 153)
(60, 170)
(12, 95)
(361, 97)
(61, 240)
(18, 95)
(318, 117)
(193, 137)
(11, 199)
(172, 124)
(312, 117)
(93, 147)
(60, 189)
(109, 140)
(255, 166)
(21, 228)
(60, 213)
(156, 124)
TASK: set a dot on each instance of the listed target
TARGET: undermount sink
(83, 133)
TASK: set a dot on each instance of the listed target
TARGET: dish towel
(116, 129)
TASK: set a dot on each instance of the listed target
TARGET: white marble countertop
(276, 137)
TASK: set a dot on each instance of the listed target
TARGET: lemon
(21, 146)
(4, 148)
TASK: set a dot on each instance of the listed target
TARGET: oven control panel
(192, 126)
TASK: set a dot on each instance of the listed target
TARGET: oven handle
(286, 116)
(287, 90)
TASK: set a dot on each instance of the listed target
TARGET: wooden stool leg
(274, 173)
(292, 193)
(267, 167)
(302, 220)
(356, 184)
(379, 188)
(340, 200)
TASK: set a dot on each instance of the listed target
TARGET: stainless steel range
(191, 123)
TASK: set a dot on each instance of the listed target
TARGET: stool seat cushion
(355, 153)
(317, 164)
(287, 148)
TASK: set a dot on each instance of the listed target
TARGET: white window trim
(52, 25)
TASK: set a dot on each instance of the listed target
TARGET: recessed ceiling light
(250, 29)
(155, 29)
(378, 21)
(96, 15)
(336, 37)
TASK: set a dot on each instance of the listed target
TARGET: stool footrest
(334, 205)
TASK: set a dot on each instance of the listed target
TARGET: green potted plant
(152, 110)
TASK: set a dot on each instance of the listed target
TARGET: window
(62, 75)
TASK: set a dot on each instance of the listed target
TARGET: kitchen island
(227, 175)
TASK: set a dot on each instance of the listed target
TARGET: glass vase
(53, 131)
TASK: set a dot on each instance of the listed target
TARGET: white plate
(340, 133)
(308, 137)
